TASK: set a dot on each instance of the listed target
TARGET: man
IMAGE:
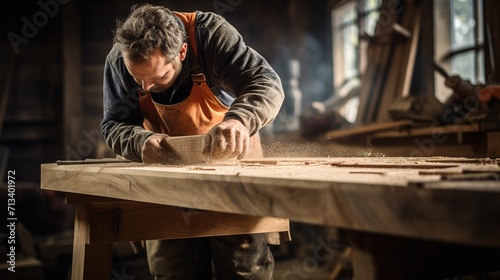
(172, 74)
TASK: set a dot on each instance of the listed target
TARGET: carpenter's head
(147, 29)
(153, 44)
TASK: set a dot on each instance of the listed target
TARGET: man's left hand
(228, 139)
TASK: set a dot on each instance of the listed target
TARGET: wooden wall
(32, 124)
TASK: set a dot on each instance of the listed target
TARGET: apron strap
(189, 20)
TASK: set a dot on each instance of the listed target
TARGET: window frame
(342, 84)
(443, 52)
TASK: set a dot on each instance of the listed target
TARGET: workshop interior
(372, 80)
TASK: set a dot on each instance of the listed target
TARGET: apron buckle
(142, 92)
(198, 78)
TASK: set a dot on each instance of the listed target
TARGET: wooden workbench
(439, 199)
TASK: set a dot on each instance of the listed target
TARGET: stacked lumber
(390, 61)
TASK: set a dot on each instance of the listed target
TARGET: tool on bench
(459, 86)
(463, 105)
(92, 161)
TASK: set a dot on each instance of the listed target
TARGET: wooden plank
(313, 190)
(188, 148)
(365, 129)
(423, 78)
(400, 67)
(434, 130)
(412, 52)
(132, 221)
(375, 74)
(374, 90)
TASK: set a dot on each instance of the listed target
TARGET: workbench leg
(377, 257)
(493, 145)
(90, 261)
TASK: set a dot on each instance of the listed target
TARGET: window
(458, 45)
(348, 22)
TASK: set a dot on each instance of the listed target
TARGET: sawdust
(200, 168)
(305, 148)
(245, 245)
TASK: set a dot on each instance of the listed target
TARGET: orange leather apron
(198, 113)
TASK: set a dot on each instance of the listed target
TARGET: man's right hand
(156, 150)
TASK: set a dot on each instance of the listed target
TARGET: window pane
(371, 8)
(464, 31)
(463, 23)
(464, 65)
(350, 110)
(480, 68)
(350, 34)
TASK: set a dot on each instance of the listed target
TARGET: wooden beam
(374, 77)
(365, 129)
(74, 198)
(412, 53)
(436, 131)
(401, 64)
(423, 77)
(132, 221)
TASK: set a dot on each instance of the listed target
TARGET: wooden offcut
(188, 148)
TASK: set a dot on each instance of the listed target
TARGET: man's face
(157, 74)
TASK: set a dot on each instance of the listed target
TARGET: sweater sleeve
(240, 70)
(122, 120)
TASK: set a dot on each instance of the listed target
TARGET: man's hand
(228, 139)
(155, 150)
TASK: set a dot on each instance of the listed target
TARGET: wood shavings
(204, 168)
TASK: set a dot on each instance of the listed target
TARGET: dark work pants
(234, 257)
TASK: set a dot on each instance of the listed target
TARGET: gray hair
(146, 29)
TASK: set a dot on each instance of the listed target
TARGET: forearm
(125, 139)
(242, 71)
(259, 105)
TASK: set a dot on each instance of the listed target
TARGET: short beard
(177, 66)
